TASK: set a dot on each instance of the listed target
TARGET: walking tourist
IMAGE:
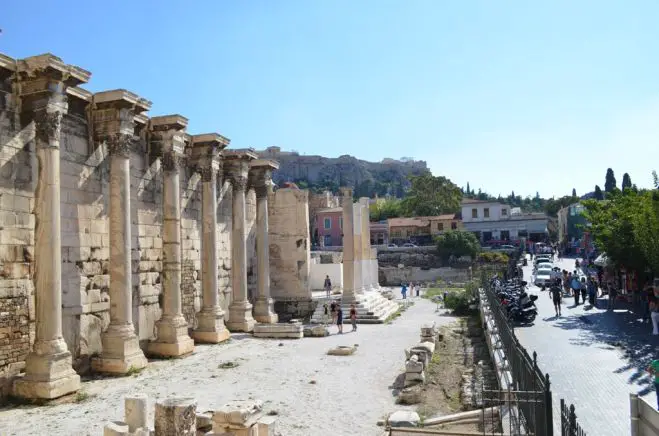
(339, 319)
(328, 286)
(555, 293)
(417, 289)
(575, 285)
(584, 290)
(592, 290)
(403, 290)
(333, 311)
(353, 317)
(613, 294)
(653, 370)
(654, 307)
(326, 314)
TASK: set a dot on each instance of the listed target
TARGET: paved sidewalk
(594, 358)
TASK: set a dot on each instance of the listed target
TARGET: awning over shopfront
(602, 260)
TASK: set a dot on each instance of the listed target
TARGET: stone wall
(16, 241)
(392, 276)
(409, 259)
(84, 176)
(290, 260)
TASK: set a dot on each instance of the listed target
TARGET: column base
(47, 376)
(121, 351)
(210, 326)
(240, 317)
(172, 338)
(264, 311)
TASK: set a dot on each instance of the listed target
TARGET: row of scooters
(518, 304)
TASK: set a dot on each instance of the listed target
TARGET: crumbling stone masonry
(120, 234)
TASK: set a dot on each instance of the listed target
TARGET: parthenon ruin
(124, 236)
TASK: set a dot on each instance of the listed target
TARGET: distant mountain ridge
(388, 177)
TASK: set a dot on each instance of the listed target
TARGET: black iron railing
(569, 424)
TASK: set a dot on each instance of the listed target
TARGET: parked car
(543, 276)
(392, 246)
(410, 245)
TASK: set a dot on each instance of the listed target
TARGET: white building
(493, 221)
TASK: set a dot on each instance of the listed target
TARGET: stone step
(372, 308)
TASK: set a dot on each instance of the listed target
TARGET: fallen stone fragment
(318, 331)
(239, 414)
(342, 351)
(116, 428)
(136, 412)
(176, 416)
(404, 418)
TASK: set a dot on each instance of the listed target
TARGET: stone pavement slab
(594, 358)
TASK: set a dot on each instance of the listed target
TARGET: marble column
(366, 243)
(357, 259)
(121, 349)
(349, 292)
(260, 180)
(210, 320)
(48, 370)
(168, 141)
(236, 165)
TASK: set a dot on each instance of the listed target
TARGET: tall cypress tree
(598, 193)
(610, 182)
(626, 181)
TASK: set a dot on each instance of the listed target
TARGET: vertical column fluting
(261, 175)
(48, 371)
(121, 348)
(357, 248)
(210, 320)
(349, 294)
(240, 309)
(171, 329)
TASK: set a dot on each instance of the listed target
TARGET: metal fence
(569, 425)
(531, 389)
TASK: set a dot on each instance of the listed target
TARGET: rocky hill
(388, 177)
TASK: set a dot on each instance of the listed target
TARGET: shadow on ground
(619, 330)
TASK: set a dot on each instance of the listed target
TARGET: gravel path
(349, 396)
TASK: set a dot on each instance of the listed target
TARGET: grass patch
(401, 308)
(81, 396)
(434, 292)
(228, 364)
(133, 371)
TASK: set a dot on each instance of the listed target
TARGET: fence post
(573, 421)
(549, 411)
(633, 413)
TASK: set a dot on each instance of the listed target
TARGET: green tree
(457, 243)
(431, 195)
(646, 227)
(598, 193)
(612, 227)
(384, 209)
(574, 192)
(626, 181)
(468, 189)
(655, 179)
(610, 182)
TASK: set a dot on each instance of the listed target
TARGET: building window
(327, 240)
(341, 222)
(440, 227)
(486, 212)
(454, 225)
(474, 213)
(504, 212)
(328, 223)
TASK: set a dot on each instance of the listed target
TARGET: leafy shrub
(458, 302)
(493, 257)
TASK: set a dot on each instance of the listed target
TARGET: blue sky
(507, 95)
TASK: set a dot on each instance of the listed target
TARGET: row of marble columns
(49, 373)
(359, 274)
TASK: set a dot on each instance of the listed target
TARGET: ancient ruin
(123, 235)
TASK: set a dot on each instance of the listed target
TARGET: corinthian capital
(48, 126)
(119, 144)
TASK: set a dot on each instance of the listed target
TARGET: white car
(543, 276)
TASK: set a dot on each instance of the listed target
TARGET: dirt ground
(455, 361)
